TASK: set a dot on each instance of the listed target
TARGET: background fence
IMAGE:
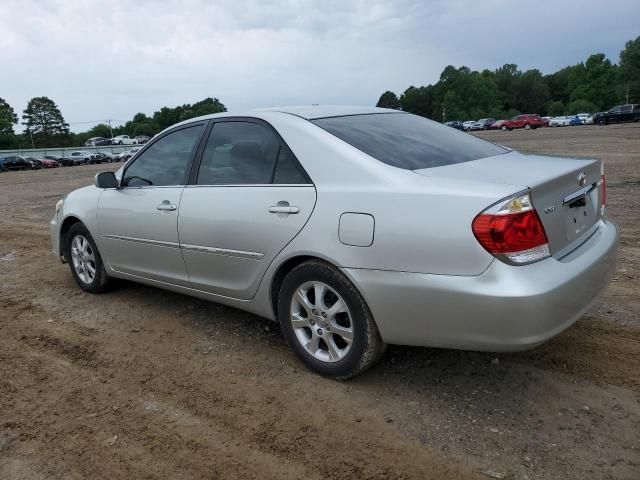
(63, 151)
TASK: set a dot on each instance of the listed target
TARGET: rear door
(246, 201)
(138, 223)
(626, 113)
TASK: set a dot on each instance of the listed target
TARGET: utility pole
(627, 102)
(33, 147)
(110, 129)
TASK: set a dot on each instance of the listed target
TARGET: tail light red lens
(512, 231)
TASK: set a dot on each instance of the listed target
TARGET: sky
(102, 60)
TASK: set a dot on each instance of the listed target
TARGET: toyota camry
(353, 228)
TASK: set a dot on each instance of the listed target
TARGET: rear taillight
(512, 231)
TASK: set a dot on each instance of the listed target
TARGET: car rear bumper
(506, 308)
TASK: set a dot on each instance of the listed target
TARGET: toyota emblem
(582, 179)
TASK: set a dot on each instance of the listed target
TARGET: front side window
(408, 141)
(164, 162)
(616, 109)
(239, 153)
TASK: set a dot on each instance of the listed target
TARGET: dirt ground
(142, 383)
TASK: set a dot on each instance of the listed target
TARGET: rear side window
(408, 141)
(238, 153)
(287, 170)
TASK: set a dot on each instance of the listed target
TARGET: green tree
(506, 78)
(581, 106)
(418, 101)
(594, 80)
(629, 71)
(8, 119)
(44, 122)
(452, 107)
(555, 108)
(531, 92)
(389, 100)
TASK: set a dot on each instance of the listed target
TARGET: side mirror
(106, 180)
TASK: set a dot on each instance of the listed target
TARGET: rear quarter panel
(422, 224)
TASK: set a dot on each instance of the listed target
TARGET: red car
(524, 120)
(49, 163)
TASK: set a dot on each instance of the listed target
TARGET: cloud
(109, 60)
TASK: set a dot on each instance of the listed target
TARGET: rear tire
(85, 260)
(334, 334)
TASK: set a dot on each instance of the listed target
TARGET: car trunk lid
(566, 192)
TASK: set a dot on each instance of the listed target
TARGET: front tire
(503, 128)
(527, 126)
(601, 122)
(326, 322)
(85, 261)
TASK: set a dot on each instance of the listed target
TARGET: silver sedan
(353, 228)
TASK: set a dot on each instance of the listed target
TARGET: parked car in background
(2, 167)
(80, 157)
(574, 120)
(460, 251)
(124, 140)
(618, 114)
(468, 125)
(585, 118)
(545, 121)
(141, 139)
(49, 163)
(561, 121)
(497, 125)
(106, 157)
(457, 124)
(483, 124)
(527, 121)
(124, 156)
(97, 142)
(36, 163)
(15, 162)
(62, 161)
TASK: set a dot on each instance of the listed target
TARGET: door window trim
(194, 153)
(193, 176)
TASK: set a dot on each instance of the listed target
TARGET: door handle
(284, 209)
(166, 206)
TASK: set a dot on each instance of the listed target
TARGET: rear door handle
(166, 206)
(284, 209)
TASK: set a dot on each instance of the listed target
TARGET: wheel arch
(280, 274)
(67, 223)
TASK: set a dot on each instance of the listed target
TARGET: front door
(138, 223)
(249, 200)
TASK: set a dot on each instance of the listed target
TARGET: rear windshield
(408, 141)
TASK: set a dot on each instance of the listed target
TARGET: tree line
(44, 125)
(461, 93)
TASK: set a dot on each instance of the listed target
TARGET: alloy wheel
(83, 259)
(321, 321)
